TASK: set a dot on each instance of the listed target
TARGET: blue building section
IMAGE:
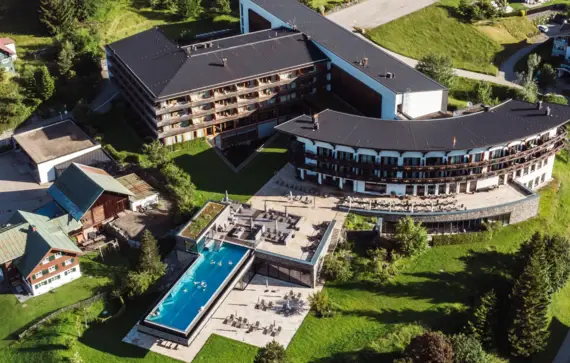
(66, 203)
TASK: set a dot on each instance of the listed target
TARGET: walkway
(372, 13)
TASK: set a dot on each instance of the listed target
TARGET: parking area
(18, 189)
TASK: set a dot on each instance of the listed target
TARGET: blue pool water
(196, 287)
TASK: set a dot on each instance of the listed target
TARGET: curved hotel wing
(510, 144)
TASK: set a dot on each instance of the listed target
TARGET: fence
(60, 311)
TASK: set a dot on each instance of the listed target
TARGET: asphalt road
(371, 13)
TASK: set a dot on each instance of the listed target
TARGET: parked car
(543, 28)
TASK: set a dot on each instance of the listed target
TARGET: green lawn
(15, 316)
(480, 48)
(213, 177)
(221, 349)
(463, 90)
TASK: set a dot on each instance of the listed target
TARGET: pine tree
(483, 322)
(530, 299)
(44, 83)
(57, 15)
(65, 59)
(554, 251)
(149, 260)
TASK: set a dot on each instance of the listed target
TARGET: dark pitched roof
(510, 121)
(80, 186)
(167, 70)
(350, 46)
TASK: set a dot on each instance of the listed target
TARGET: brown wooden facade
(107, 206)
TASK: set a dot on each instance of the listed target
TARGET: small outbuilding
(50, 146)
(143, 194)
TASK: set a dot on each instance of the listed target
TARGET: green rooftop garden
(201, 221)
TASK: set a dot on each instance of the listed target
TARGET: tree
(222, 6)
(432, 347)
(57, 15)
(438, 67)
(553, 251)
(547, 77)
(44, 83)
(181, 186)
(189, 8)
(65, 59)
(484, 320)
(157, 154)
(531, 64)
(273, 352)
(319, 302)
(411, 238)
(136, 283)
(528, 328)
(484, 94)
(337, 266)
(149, 260)
(467, 349)
(528, 92)
(554, 98)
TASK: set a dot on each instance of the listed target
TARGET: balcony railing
(443, 167)
(430, 180)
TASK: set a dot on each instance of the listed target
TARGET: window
(46, 260)
(70, 271)
(58, 255)
(37, 275)
(52, 269)
(68, 262)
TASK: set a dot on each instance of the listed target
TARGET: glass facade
(275, 270)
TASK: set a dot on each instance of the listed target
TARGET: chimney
(539, 105)
(365, 62)
(390, 75)
(225, 61)
(33, 228)
(547, 113)
(316, 122)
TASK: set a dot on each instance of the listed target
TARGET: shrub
(467, 349)
(438, 67)
(554, 98)
(273, 352)
(483, 322)
(320, 303)
(385, 265)
(411, 238)
(337, 266)
(432, 347)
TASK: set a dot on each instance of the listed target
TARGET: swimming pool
(189, 296)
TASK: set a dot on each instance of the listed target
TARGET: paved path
(372, 13)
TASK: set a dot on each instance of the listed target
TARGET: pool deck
(240, 303)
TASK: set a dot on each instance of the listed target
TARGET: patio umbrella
(266, 284)
(227, 197)
(290, 195)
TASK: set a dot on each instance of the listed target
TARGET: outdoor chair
(270, 305)
(257, 324)
(277, 332)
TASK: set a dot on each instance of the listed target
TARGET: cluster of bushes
(433, 346)
(471, 12)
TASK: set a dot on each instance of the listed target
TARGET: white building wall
(487, 182)
(46, 171)
(417, 104)
(150, 200)
(531, 176)
(57, 283)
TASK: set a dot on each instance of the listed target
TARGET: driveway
(372, 13)
(18, 189)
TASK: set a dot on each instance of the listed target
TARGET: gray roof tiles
(512, 120)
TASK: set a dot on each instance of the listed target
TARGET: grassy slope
(15, 316)
(433, 30)
(478, 48)
(213, 177)
(463, 91)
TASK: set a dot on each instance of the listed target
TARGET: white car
(543, 28)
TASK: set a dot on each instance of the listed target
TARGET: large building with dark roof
(236, 89)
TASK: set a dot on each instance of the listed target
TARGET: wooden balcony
(298, 160)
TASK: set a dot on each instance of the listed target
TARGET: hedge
(459, 239)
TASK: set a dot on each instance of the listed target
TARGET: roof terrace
(202, 220)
